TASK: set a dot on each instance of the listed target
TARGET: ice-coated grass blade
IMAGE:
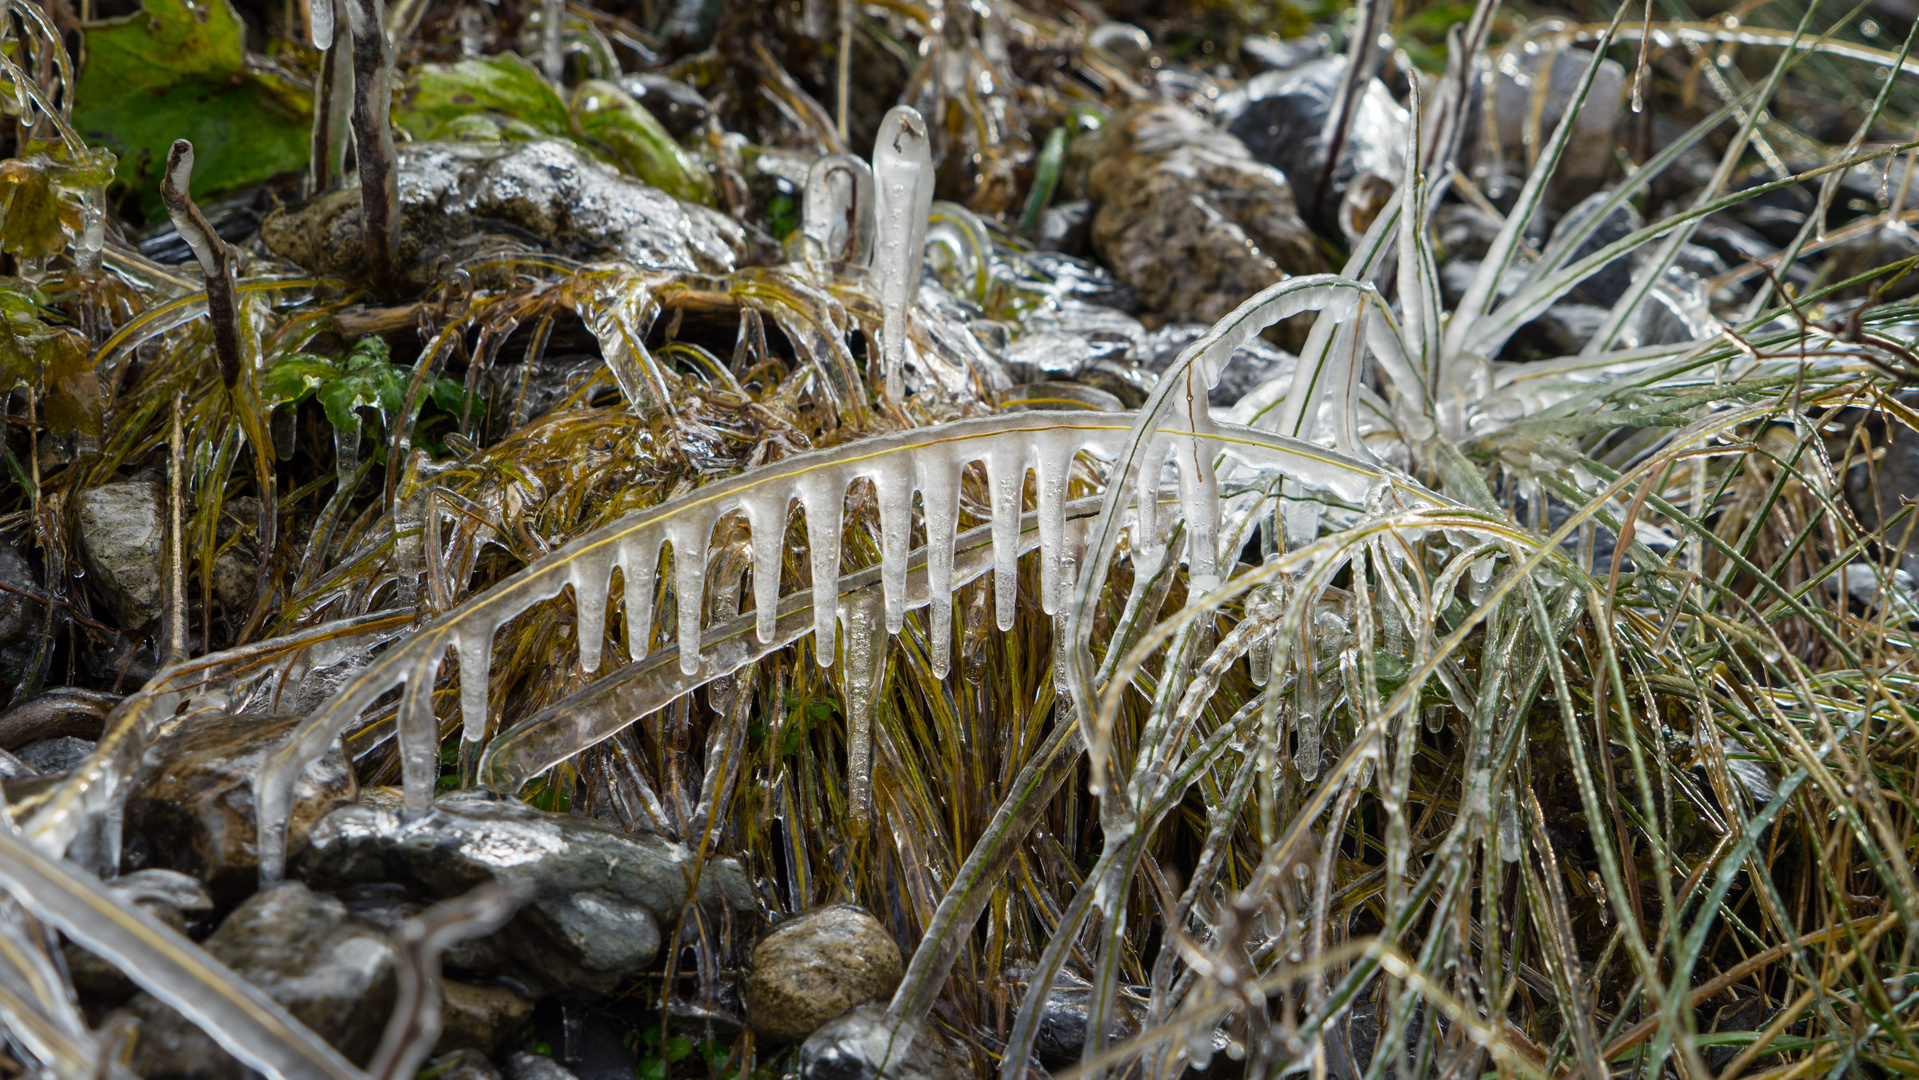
(241, 1018)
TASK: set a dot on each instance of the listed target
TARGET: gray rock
(460, 201)
(122, 536)
(191, 808)
(1271, 53)
(1606, 285)
(1253, 363)
(1465, 231)
(1062, 1025)
(599, 896)
(461, 1065)
(1188, 217)
(164, 894)
(476, 1017)
(21, 617)
(1281, 115)
(1564, 328)
(1066, 227)
(334, 973)
(55, 755)
(846, 1048)
(526, 1066)
(815, 967)
(1588, 159)
(678, 107)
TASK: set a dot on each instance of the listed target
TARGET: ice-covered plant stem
(216, 260)
(373, 139)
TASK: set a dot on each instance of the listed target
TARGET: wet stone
(334, 973)
(122, 534)
(840, 1050)
(1588, 158)
(21, 617)
(1607, 284)
(462, 201)
(815, 967)
(478, 1017)
(678, 107)
(600, 897)
(191, 808)
(173, 898)
(1254, 363)
(56, 755)
(1188, 217)
(1066, 227)
(1465, 231)
(1281, 115)
(236, 572)
(1063, 1020)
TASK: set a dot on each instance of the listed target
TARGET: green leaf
(180, 71)
(650, 1068)
(630, 136)
(36, 220)
(675, 1048)
(440, 97)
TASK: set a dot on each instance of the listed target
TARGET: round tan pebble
(812, 968)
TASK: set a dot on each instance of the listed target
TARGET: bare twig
(373, 140)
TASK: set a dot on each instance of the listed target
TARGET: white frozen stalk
(836, 211)
(865, 665)
(320, 18)
(552, 43)
(903, 196)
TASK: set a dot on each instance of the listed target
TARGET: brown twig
(216, 259)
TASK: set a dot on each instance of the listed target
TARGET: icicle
(689, 534)
(590, 572)
(1298, 516)
(1436, 719)
(1307, 760)
(1481, 585)
(938, 481)
(639, 563)
(894, 486)
(320, 18)
(1199, 501)
(1508, 828)
(836, 211)
(1265, 604)
(419, 736)
(766, 517)
(903, 197)
(824, 499)
(1006, 476)
(865, 663)
(474, 646)
(1054, 458)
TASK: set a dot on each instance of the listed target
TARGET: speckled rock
(334, 973)
(459, 201)
(1188, 217)
(844, 1049)
(600, 897)
(815, 967)
(122, 536)
(476, 1017)
(191, 808)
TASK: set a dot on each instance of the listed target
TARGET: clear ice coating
(837, 211)
(1509, 828)
(865, 669)
(928, 461)
(903, 198)
(320, 19)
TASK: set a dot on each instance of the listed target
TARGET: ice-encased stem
(237, 1015)
(332, 106)
(903, 197)
(865, 665)
(373, 141)
(215, 258)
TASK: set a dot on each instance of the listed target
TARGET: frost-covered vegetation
(1367, 541)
